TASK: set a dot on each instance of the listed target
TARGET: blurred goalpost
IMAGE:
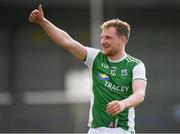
(96, 18)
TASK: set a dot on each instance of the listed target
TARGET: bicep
(139, 78)
(77, 50)
(139, 88)
(139, 85)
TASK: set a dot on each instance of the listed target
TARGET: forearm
(59, 36)
(62, 39)
(135, 99)
(115, 107)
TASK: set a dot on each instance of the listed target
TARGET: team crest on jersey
(102, 76)
(105, 66)
(124, 72)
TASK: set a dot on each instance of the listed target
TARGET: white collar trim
(119, 60)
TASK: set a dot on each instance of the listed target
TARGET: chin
(107, 53)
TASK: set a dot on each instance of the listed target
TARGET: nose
(102, 41)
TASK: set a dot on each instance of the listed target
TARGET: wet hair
(122, 28)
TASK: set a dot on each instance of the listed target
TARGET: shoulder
(134, 60)
(92, 51)
(137, 66)
(91, 55)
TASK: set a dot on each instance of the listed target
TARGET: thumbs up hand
(37, 15)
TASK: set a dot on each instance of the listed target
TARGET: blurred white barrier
(77, 91)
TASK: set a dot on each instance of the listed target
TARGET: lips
(105, 45)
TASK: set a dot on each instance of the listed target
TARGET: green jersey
(111, 80)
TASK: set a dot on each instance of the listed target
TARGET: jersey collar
(119, 60)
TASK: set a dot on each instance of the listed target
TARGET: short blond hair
(122, 28)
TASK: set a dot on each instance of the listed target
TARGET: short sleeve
(90, 56)
(139, 72)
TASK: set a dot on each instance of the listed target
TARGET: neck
(117, 56)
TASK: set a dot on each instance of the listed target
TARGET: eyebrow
(106, 36)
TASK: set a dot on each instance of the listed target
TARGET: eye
(107, 37)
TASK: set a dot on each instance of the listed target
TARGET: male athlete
(118, 80)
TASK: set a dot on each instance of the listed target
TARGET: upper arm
(139, 85)
(76, 49)
(139, 79)
(63, 39)
(139, 89)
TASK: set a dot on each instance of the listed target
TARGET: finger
(34, 15)
(110, 111)
(112, 107)
(30, 17)
(40, 8)
(35, 12)
(112, 104)
(114, 111)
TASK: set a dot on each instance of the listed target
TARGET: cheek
(113, 44)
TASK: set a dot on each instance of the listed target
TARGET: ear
(124, 39)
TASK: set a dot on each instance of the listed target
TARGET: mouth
(105, 46)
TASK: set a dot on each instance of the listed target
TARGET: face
(110, 42)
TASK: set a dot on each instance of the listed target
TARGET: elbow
(142, 99)
(142, 96)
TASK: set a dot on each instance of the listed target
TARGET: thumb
(40, 8)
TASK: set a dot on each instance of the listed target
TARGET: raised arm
(59, 36)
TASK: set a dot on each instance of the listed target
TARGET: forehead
(111, 31)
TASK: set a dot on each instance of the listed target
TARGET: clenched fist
(37, 15)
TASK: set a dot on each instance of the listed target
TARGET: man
(118, 80)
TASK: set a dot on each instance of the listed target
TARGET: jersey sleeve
(139, 72)
(90, 56)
